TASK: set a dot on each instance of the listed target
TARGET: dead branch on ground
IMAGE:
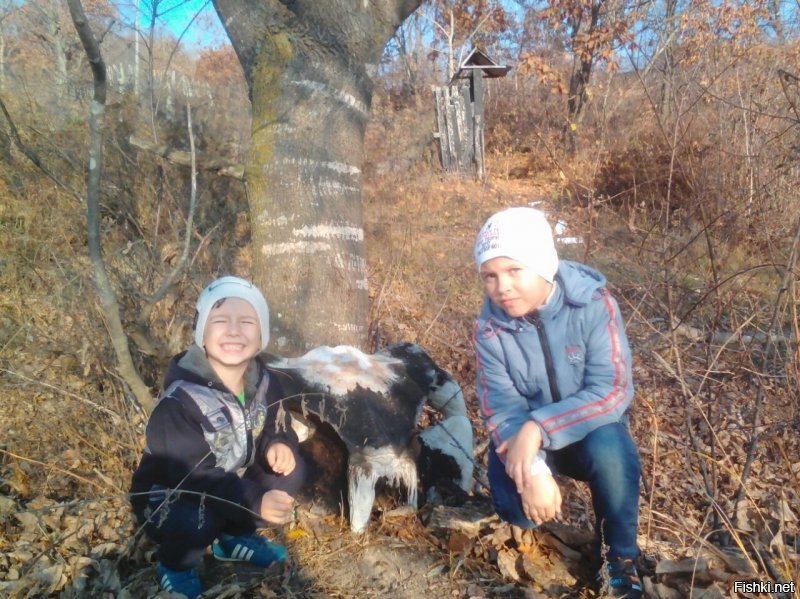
(183, 158)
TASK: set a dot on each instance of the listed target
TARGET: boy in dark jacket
(220, 414)
(554, 386)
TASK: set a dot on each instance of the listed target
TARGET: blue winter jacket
(567, 366)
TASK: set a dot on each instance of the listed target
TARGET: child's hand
(541, 499)
(276, 506)
(280, 458)
(520, 451)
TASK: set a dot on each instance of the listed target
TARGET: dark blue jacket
(200, 436)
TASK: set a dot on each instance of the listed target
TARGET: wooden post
(453, 127)
(468, 128)
(477, 84)
(445, 156)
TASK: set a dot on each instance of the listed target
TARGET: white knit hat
(522, 234)
(226, 287)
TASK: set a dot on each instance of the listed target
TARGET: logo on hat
(488, 238)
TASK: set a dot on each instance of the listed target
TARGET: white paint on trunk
(331, 187)
(366, 469)
(349, 327)
(279, 221)
(295, 247)
(341, 369)
(336, 94)
(347, 261)
(283, 128)
(330, 231)
(315, 165)
(362, 284)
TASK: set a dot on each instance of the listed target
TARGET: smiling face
(513, 287)
(232, 335)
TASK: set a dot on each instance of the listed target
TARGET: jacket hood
(193, 366)
(575, 284)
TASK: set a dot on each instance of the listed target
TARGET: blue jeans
(184, 528)
(608, 460)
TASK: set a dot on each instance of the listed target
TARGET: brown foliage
(219, 67)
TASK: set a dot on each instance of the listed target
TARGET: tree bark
(105, 292)
(308, 65)
(2, 58)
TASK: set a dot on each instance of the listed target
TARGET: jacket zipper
(548, 358)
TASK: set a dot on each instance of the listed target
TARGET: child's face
(513, 287)
(232, 334)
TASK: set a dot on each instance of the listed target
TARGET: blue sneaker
(250, 548)
(623, 579)
(185, 582)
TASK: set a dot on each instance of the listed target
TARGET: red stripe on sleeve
(619, 384)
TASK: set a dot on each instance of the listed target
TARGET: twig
(180, 265)
(785, 78)
(34, 157)
(203, 240)
(177, 42)
(435, 318)
(57, 469)
(755, 434)
(115, 417)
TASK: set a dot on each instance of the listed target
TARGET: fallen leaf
(507, 563)
(295, 534)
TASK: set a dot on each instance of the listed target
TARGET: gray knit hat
(226, 287)
(522, 234)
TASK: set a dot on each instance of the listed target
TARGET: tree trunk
(2, 59)
(308, 67)
(670, 26)
(582, 65)
(136, 33)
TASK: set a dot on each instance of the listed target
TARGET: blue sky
(175, 15)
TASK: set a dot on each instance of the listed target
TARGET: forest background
(664, 133)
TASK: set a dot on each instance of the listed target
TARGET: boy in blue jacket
(220, 414)
(554, 386)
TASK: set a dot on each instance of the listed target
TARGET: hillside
(72, 439)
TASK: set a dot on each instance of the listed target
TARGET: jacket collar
(193, 366)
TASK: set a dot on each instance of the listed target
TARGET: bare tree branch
(105, 293)
(788, 78)
(755, 434)
(33, 156)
